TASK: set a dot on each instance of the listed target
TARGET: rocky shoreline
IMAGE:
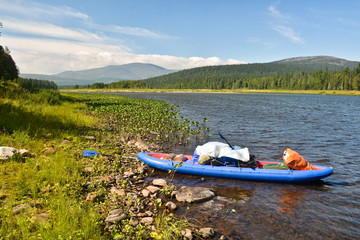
(136, 201)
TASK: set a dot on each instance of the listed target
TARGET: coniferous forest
(275, 77)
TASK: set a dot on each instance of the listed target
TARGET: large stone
(118, 192)
(159, 182)
(115, 216)
(7, 152)
(153, 189)
(192, 195)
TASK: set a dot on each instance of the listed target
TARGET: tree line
(125, 84)
(200, 78)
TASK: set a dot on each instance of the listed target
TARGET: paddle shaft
(224, 138)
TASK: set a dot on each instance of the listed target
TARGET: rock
(147, 221)
(21, 208)
(142, 145)
(192, 195)
(171, 205)
(159, 182)
(187, 234)
(141, 169)
(115, 216)
(91, 197)
(145, 192)
(118, 192)
(93, 138)
(207, 232)
(149, 213)
(216, 205)
(128, 174)
(134, 221)
(41, 218)
(7, 152)
(109, 179)
(223, 237)
(125, 138)
(65, 142)
(49, 151)
(88, 169)
(153, 189)
(25, 153)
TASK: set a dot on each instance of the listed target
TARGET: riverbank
(54, 192)
(319, 92)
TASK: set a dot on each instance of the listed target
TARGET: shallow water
(324, 129)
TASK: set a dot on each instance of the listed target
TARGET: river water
(324, 129)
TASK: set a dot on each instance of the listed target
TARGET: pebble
(91, 197)
(187, 234)
(145, 192)
(171, 205)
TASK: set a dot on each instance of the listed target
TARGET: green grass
(320, 92)
(50, 185)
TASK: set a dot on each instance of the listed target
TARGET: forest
(262, 78)
(224, 77)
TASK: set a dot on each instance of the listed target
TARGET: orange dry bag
(296, 161)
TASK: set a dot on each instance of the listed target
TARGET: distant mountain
(112, 73)
(319, 62)
(224, 76)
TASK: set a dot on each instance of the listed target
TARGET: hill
(225, 76)
(112, 73)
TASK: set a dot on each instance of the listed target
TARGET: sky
(49, 37)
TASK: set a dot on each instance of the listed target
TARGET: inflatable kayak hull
(256, 174)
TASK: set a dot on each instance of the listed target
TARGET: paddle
(224, 139)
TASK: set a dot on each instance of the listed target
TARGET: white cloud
(136, 31)
(47, 30)
(276, 13)
(35, 10)
(36, 55)
(281, 24)
(289, 33)
(41, 43)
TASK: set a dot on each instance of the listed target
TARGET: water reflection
(290, 200)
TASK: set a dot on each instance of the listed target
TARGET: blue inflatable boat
(261, 173)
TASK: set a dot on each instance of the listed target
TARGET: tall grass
(45, 184)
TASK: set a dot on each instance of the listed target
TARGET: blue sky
(59, 35)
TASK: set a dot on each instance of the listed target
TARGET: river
(325, 129)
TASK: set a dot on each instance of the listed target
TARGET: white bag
(219, 150)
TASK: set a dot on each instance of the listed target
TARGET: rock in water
(192, 195)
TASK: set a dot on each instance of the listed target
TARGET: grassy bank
(320, 92)
(46, 193)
